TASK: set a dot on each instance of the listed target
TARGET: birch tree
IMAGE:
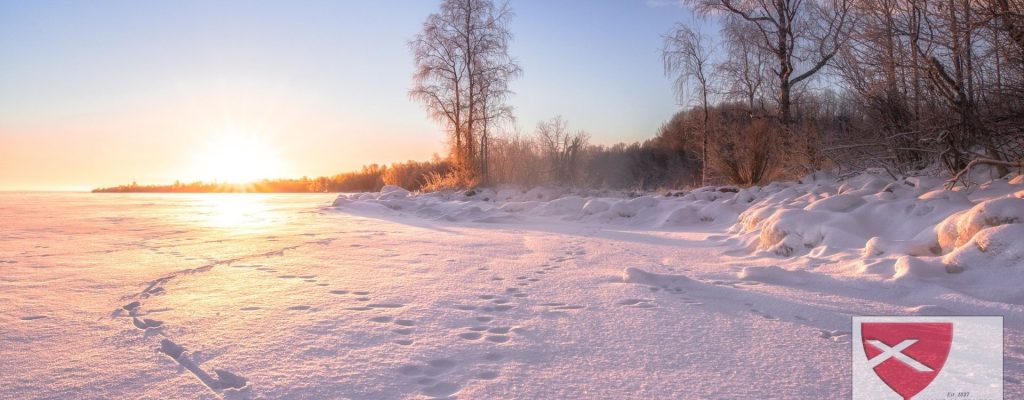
(462, 72)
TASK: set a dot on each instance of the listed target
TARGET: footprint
(470, 335)
(229, 380)
(465, 307)
(146, 323)
(339, 291)
(382, 318)
(300, 308)
(484, 319)
(497, 338)
(403, 342)
(361, 293)
(250, 308)
(403, 331)
(404, 322)
(499, 330)
(573, 307)
(486, 296)
(32, 317)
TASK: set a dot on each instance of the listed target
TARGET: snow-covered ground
(545, 294)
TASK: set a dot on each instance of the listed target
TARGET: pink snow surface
(540, 294)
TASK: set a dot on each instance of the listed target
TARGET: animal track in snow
(427, 375)
(146, 323)
(224, 379)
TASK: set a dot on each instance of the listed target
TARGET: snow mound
(958, 229)
(637, 275)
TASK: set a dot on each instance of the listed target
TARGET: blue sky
(104, 92)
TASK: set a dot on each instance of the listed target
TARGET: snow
(495, 293)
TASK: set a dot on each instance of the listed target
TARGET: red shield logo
(906, 356)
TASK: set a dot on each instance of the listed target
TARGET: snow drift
(927, 231)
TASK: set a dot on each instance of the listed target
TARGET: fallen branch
(965, 173)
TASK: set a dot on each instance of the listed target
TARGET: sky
(104, 92)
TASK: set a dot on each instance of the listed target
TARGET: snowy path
(186, 299)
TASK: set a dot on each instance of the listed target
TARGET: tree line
(786, 87)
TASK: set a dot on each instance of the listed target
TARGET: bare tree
(562, 148)
(797, 32)
(745, 68)
(462, 73)
(687, 57)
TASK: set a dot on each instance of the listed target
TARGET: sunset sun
(237, 158)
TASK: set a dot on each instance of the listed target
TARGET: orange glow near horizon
(237, 155)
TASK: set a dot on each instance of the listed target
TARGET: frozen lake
(281, 296)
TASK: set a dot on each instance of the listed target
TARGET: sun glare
(232, 157)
